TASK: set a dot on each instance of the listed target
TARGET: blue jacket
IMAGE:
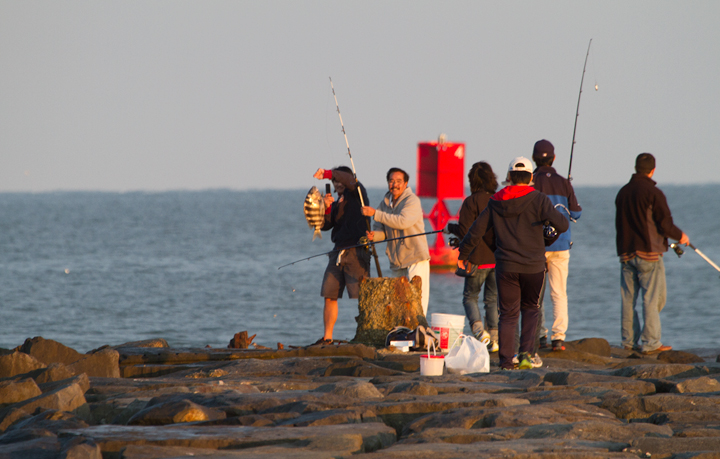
(559, 190)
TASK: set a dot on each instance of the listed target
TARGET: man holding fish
(345, 268)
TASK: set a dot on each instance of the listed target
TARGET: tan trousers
(557, 266)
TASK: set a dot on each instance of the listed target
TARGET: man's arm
(551, 214)
(663, 219)
(408, 216)
(474, 235)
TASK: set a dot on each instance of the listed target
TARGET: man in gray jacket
(400, 214)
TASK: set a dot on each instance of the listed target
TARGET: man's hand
(370, 235)
(368, 211)
(684, 240)
(463, 264)
(319, 174)
(328, 200)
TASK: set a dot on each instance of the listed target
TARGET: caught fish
(315, 211)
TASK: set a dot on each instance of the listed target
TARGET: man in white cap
(516, 215)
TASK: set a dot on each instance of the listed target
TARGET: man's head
(339, 187)
(397, 181)
(482, 177)
(543, 153)
(519, 172)
(644, 163)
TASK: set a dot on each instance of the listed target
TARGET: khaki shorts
(354, 265)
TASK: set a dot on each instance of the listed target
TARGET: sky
(190, 95)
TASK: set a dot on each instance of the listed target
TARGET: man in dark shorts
(346, 267)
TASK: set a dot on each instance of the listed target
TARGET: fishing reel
(364, 241)
(454, 242)
(550, 234)
(678, 250)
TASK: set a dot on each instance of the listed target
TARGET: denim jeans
(471, 293)
(646, 277)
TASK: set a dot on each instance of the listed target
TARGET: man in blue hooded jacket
(557, 255)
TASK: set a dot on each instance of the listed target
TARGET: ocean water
(92, 268)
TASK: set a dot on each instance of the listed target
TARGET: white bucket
(447, 327)
(432, 364)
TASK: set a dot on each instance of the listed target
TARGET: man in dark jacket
(345, 267)
(643, 223)
(557, 255)
(516, 214)
(483, 183)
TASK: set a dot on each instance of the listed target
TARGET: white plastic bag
(471, 356)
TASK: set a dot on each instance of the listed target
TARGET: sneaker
(525, 362)
(515, 360)
(558, 345)
(483, 337)
(322, 341)
(536, 361)
(543, 342)
(658, 350)
(493, 346)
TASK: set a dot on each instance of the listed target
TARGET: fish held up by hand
(315, 211)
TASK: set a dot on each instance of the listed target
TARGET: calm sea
(91, 268)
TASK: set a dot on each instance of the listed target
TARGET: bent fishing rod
(362, 202)
(369, 243)
(577, 111)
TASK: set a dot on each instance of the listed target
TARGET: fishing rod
(362, 202)
(679, 251)
(577, 111)
(369, 243)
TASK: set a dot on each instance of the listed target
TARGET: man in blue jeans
(643, 223)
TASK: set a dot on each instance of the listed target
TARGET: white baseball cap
(521, 164)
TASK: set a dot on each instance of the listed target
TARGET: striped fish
(315, 211)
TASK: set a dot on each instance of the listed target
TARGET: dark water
(89, 269)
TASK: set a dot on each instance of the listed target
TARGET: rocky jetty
(146, 400)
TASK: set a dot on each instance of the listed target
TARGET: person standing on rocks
(483, 183)
(345, 268)
(643, 223)
(557, 255)
(398, 215)
(516, 214)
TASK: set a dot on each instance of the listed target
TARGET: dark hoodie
(345, 217)
(516, 214)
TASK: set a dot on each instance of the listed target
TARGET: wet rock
(358, 368)
(348, 439)
(668, 447)
(42, 447)
(385, 303)
(332, 417)
(657, 371)
(702, 384)
(102, 364)
(79, 448)
(351, 389)
(643, 406)
(53, 372)
(597, 346)
(679, 357)
(65, 398)
(18, 363)
(17, 391)
(49, 420)
(154, 342)
(10, 416)
(173, 413)
(413, 388)
(49, 351)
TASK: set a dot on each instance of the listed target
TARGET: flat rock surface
(351, 400)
